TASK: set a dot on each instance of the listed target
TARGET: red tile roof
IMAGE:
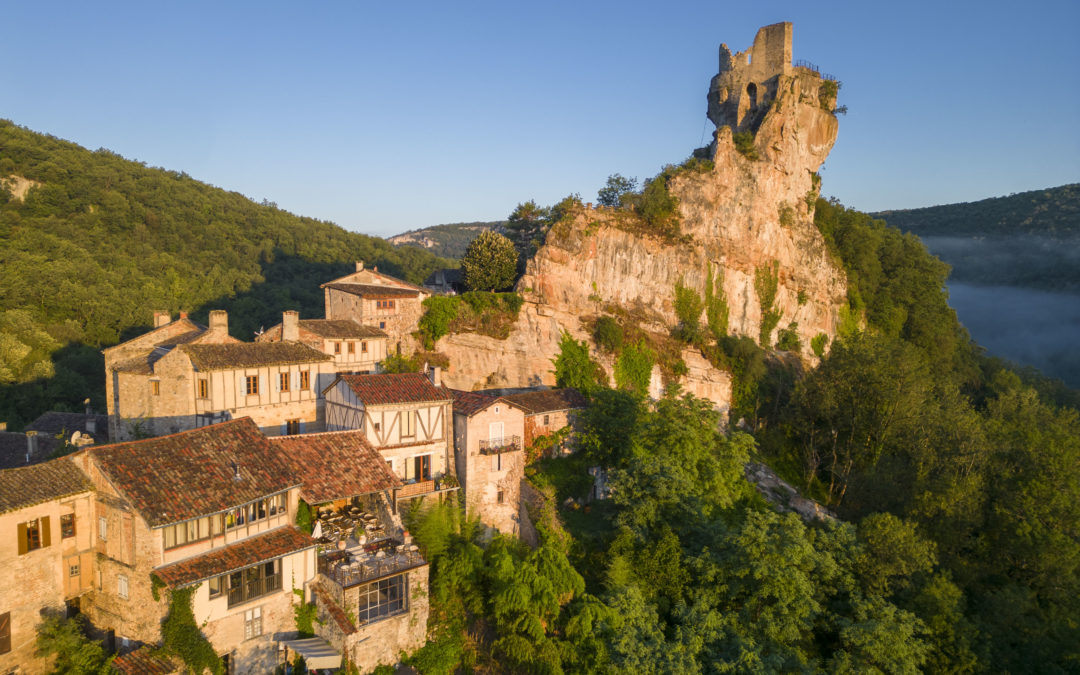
(374, 290)
(40, 483)
(260, 548)
(336, 465)
(549, 400)
(190, 474)
(391, 388)
(144, 661)
(251, 354)
(469, 403)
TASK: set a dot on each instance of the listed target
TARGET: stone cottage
(46, 553)
(380, 300)
(209, 509)
(547, 411)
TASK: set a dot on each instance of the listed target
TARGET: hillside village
(212, 447)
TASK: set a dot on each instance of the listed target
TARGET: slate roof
(13, 450)
(549, 400)
(144, 661)
(373, 290)
(251, 354)
(391, 388)
(54, 422)
(40, 483)
(333, 329)
(173, 478)
(336, 465)
(260, 548)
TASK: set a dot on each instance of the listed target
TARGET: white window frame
(253, 622)
(122, 587)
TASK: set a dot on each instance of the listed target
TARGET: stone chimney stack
(183, 315)
(161, 318)
(434, 374)
(91, 420)
(219, 323)
(31, 445)
(290, 326)
(359, 265)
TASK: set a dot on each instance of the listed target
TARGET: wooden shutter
(45, 540)
(22, 538)
(5, 632)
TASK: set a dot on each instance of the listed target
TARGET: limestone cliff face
(739, 217)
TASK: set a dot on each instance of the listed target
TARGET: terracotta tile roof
(251, 354)
(40, 483)
(390, 388)
(329, 328)
(326, 599)
(469, 403)
(374, 290)
(190, 474)
(260, 548)
(549, 400)
(144, 661)
(54, 422)
(336, 465)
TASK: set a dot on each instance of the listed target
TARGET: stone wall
(382, 641)
(488, 476)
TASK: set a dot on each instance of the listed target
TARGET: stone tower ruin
(741, 92)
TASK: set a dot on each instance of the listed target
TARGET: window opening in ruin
(751, 91)
(67, 526)
(383, 598)
(252, 383)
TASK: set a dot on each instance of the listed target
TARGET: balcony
(497, 446)
(374, 561)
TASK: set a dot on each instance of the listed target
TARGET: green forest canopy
(103, 241)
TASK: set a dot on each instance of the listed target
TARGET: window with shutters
(67, 526)
(283, 381)
(363, 348)
(305, 380)
(252, 623)
(33, 534)
(252, 384)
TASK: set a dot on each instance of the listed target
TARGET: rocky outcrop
(743, 215)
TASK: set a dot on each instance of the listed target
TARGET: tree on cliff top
(490, 263)
(617, 186)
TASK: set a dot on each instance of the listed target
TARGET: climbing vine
(766, 282)
(180, 635)
(305, 614)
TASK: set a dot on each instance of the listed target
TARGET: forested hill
(448, 240)
(1030, 239)
(95, 243)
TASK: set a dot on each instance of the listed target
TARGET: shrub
(399, 363)
(608, 334)
(788, 339)
(716, 308)
(787, 215)
(766, 282)
(633, 369)
(827, 94)
(66, 639)
(744, 143)
(658, 207)
(615, 189)
(435, 323)
(574, 367)
(304, 521)
(818, 343)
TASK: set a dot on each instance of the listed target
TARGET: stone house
(490, 457)
(446, 282)
(46, 553)
(405, 416)
(354, 347)
(371, 596)
(380, 300)
(547, 411)
(209, 509)
(199, 378)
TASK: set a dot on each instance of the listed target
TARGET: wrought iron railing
(500, 445)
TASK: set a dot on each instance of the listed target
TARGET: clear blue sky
(389, 116)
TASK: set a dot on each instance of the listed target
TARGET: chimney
(435, 375)
(31, 445)
(161, 318)
(183, 315)
(91, 419)
(359, 265)
(219, 323)
(290, 326)
(375, 268)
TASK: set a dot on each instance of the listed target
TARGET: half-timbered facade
(354, 347)
(405, 416)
